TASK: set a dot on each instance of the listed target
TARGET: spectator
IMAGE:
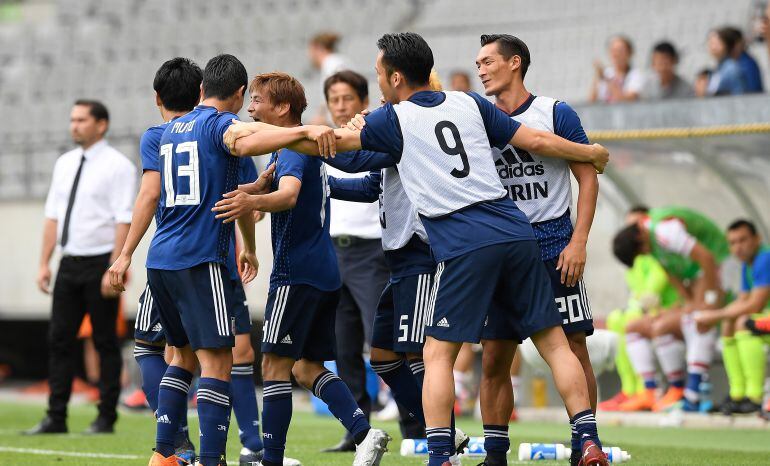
(619, 82)
(666, 84)
(322, 51)
(763, 27)
(702, 82)
(749, 66)
(728, 78)
(88, 210)
(460, 81)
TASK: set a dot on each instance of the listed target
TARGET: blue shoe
(690, 406)
(185, 452)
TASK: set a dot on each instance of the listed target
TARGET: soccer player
(441, 143)
(742, 352)
(690, 248)
(540, 187)
(299, 331)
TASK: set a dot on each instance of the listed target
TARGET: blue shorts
(299, 323)
(399, 324)
(498, 292)
(195, 305)
(572, 302)
(148, 328)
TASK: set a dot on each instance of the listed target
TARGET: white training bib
(447, 162)
(539, 185)
(398, 216)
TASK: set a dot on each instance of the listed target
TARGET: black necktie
(65, 230)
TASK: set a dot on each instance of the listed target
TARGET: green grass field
(309, 433)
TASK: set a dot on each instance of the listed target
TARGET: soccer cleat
(370, 451)
(159, 460)
(690, 406)
(136, 400)
(673, 396)
(254, 458)
(759, 326)
(461, 441)
(592, 455)
(729, 406)
(643, 401)
(574, 458)
(613, 404)
(185, 452)
(746, 406)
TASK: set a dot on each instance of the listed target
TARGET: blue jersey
(149, 149)
(302, 248)
(474, 224)
(196, 169)
(756, 274)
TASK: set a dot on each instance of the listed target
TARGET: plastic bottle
(543, 451)
(414, 447)
(616, 455)
(476, 447)
(706, 403)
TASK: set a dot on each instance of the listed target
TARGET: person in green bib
(690, 247)
(744, 353)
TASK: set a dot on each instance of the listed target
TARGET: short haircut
(627, 244)
(639, 209)
(743, 223)
(178, 84)
(326, 40)
(729, 36)
(666, 48)
(509, 46)
(409, 54)
(626, 41)
(223, 76)
(352, 79)
(95, 108)
(282, 88)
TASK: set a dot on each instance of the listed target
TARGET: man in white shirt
(87, 213)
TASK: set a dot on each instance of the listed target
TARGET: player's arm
(708, 266)
(238, 203)
(144, 210)
(248, 257)
(572, 259)
(257, 138)
(345, 140)
(362, 189)
(548, 144)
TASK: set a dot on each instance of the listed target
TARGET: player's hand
(600, 158)
(239, 129)
(107, 290)
(706, 319)
(235, 204)
(117, 273)
(258, 216)
(325, 137)
(44, 278)
(249, 266)
(262, 184)
(571, 263)
(358, 122)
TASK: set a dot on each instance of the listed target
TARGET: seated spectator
(619, 82)
(460, 81)
(728, 77)
(749, 66)
(702, 82)
(666, 84)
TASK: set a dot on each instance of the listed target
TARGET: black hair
(666, 48)
(509, 46)
(223, 76)
(639, 209)
(409, 54)
(730, 37)
(627, 244)
(352, 79)
(178, 84)
(95, 108)
(743, 223)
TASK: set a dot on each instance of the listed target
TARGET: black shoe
(728, 407)
(48, 426)
(252, 458)
(101, 426)
(746, 406)
(488, 462)
(574, 458)
(345, 445)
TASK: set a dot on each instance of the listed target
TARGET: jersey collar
(523, 107)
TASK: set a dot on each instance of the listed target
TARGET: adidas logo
(157, 327)
(164, 419)
(443, 323)
(358, 412)
(287, 340)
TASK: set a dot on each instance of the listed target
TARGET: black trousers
(78, 290)
(364, 275)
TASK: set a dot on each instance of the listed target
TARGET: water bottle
(414, 447)
(706, 403)
(475, 447)
(616, 455)
(543, 451)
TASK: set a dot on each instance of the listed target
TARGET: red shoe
(642, 401)
(593, 455)
(673, 396)
(759, 326)
(514, 416)
(136, 400)
(613, 404)
(159, 460)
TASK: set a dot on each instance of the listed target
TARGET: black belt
(346, 241)
(100, 257)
